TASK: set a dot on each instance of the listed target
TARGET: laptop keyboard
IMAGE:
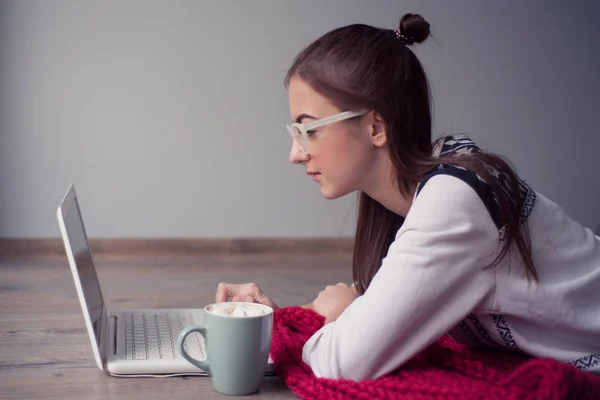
(154, 336)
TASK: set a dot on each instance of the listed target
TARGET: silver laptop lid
(84, 273)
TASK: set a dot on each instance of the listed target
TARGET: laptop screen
(85, 267)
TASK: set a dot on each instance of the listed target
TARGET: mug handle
(201, 329)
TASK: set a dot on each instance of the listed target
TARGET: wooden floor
(45, 351)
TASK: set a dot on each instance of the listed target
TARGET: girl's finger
(226, 290)
(247, 299)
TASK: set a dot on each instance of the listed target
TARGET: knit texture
(445, 370)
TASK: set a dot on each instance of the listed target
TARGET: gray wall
(168, 116)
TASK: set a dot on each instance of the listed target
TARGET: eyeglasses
(299, 132)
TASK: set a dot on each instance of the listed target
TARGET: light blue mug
(237, 347)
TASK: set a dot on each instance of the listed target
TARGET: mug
(237, 347)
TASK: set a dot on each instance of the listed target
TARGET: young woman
(449, 240)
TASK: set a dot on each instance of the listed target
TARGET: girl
(449, 240)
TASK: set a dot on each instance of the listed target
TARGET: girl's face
(341, 154)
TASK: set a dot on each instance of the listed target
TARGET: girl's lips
(315, 175)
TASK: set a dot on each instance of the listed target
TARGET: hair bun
(414, 28)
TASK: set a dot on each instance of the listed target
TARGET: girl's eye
(311, 131)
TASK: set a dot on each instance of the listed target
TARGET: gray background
(168, 116)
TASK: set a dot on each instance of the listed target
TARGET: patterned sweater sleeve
(432, 277)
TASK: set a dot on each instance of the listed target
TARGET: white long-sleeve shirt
(433, 281)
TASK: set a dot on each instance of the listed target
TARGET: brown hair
(364, 67)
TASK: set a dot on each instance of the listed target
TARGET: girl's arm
(432, 277)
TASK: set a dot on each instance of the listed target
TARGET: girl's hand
(248, 292)
(333, 300)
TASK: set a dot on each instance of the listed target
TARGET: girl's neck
(382, 186)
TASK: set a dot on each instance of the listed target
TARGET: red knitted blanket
(445, 370)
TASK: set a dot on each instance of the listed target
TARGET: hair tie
(405, 41)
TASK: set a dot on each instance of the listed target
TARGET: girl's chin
(330, 193)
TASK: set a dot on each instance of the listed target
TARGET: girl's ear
(377, 130)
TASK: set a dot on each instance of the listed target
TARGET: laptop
(127, 342)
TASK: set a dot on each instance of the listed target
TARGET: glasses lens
(297, 135)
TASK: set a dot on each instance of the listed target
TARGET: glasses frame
(300, 134)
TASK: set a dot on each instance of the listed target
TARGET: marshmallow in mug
(237, 310)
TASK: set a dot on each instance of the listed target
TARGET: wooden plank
(136, 248)
(45, 351)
